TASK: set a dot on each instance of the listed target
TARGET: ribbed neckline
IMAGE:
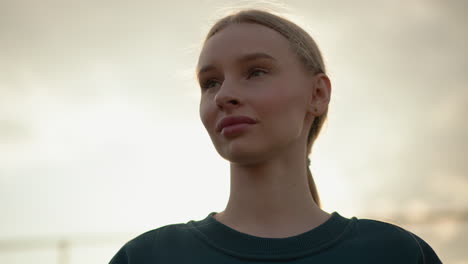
(243, 245)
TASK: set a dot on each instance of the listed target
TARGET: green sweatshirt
(338, 240)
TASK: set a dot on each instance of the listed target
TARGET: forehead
(238, 39)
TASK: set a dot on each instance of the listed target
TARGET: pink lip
(233, 120)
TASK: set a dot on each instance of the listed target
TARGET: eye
(209, 84)
(256, 72)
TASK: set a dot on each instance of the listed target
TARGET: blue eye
(256, 72)
(209, 84)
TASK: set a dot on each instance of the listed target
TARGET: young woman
(264, 98)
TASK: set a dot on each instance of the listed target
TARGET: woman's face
(250, 70)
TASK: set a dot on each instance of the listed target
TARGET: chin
(246, 156)
(243, 149)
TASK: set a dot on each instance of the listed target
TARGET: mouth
(233, 121)
(235, 129)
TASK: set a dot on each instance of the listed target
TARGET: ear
(320, 94)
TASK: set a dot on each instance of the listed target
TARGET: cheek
(285, 111)
(283, 97)
(205, 114)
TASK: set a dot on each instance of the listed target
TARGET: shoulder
(387, 236)
(142, 248)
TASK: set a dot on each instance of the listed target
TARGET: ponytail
(312, 186)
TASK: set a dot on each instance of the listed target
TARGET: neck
(271, 199)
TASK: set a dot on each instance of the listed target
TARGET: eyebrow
(244, 58)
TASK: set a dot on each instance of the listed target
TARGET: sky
(100, 132)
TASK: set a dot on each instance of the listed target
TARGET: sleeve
(428, 255)
(139, 250)
(120, 257)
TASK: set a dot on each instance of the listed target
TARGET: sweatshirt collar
(244, 245)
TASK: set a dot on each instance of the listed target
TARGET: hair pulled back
(302, 45)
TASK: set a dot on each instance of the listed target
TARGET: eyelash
(206, 83)
(249, 75)
(250, 72)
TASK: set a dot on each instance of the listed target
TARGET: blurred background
(100, 137)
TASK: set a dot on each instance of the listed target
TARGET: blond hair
(305, 48)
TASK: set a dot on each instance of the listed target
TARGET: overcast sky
(99, 124)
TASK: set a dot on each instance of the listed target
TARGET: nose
(227, 96)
